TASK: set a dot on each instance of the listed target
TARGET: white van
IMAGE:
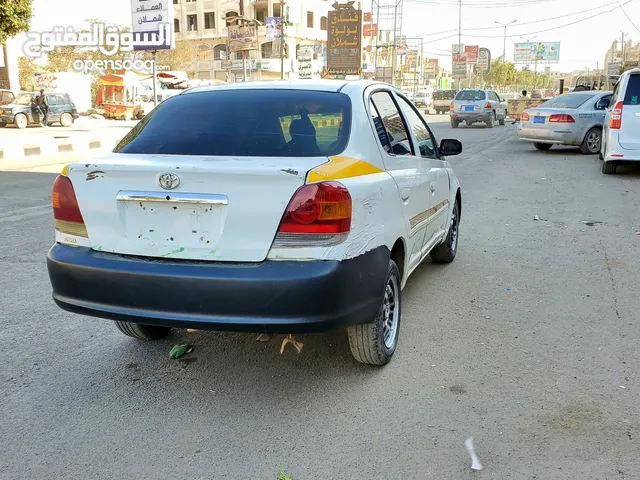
(424, 99)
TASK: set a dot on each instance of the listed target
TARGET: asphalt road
(528, 342)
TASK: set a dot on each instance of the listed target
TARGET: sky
(582, 45)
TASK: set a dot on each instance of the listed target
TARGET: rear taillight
(616, 117)
(561, 118)
(66, 211)
(318, 215)
(451, 106)
(488, 106)
(525, 117)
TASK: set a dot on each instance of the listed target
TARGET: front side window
(419, 129)
(393, 123)
(244, 123)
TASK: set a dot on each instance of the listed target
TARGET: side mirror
(450, 147)
(603, 104)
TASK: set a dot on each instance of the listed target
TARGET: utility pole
(459, 35)
(244, 52)
(624, 50)
(282, 43)
(504, 43)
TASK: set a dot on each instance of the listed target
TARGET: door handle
(432, 187)
(405, 194)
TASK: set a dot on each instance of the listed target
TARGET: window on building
(176, 25)
(323, 23)
(310, 19)
(188, 1)
(276, 10)
(231, 15)
(261, 15)
(209, 20)
(220, 52)
(192, 22)
(175, 2)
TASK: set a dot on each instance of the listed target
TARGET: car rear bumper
(272, 296)
(561, 136)
(471, 116)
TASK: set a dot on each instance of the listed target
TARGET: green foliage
(178, 59)
(505, 75)
(14, 18)
(283, 476)
(26, 71)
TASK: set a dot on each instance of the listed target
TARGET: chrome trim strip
(427, 214)
(190, 198)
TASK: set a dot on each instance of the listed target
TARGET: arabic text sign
(430, 70)
(459, 69)
(344, 42)
(484, 61)
(457, 49)
(101, 38)
(472, 52)
(148, 16)
(305, 59)
(242, 38)
(536, 51)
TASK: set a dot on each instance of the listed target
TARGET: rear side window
(632, 95)
(259, 123)
(471, 95)
(393, 124)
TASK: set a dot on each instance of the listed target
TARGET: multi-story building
(622, 55)
(204, 25)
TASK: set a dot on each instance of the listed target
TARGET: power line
(625, 14)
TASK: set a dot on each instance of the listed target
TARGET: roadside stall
(117, 93)
(519, 105)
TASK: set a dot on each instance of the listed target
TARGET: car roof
(312, 85)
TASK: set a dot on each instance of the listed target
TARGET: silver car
(621, 138)
(571, 119)
(477, 106)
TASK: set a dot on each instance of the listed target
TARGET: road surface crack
(607, 262)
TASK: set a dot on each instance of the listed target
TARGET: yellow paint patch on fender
(338, 168)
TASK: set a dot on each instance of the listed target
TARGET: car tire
(609, 168)
(21, 121)
(66, 120)
(2, 124)
(492, 120)
(502, 120)
(592, 142)
(143, 332)
(375, 343)
(446, 251)
(455, 123)
(543, 147)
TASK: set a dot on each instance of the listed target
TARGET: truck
(442, 100)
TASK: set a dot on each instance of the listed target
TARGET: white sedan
(279, 207)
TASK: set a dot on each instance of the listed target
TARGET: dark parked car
(22, 111)
(6, 97)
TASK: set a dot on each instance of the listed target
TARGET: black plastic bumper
(272, 296)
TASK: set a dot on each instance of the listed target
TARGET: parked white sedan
(286, 207)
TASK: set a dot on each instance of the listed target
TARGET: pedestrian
(42, 105)
(523, 94)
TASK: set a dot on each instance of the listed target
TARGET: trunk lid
(223, 209)
(539, 117)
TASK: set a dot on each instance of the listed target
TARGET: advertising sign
(368, 17)
(530, 52)
(613, 69)
(483, 67)
(305, 60)
(472, 52)
(274, 28)
(457, 49)
(370, 30)
(153, 18)
(433, 60)
(430, 70)
(344, 41)
(242, 38)
(459, 69)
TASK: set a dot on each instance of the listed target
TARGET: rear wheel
(66, 120)
(21, 121)
(491, 120)
(542, 146)
(455, 123)
(143, 332)
(2, 124)
(609, 168)
(446, 251)
(592, 142)
(375, 343)
(502, 120)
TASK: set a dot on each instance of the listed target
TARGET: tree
(177, 59)
(14, 18)
(26, 71)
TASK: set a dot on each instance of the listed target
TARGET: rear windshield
(632, 95)
(471, 95)
(260, 123)
(572, 100)
(444, 95)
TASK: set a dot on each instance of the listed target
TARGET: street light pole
(504, 43)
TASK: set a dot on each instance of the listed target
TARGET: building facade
(204, 25)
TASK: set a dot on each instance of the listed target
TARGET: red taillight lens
(616, 117)
(561, 118)
(451, 106)
(317, 215)
(488, 106)
(66, 211)
(525, 117)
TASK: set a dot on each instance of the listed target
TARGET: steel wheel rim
(22, 121)
(454, 229)
(593, 142)
(390, 312)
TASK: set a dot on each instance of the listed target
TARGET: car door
(405, 166)
(501, 106)
(436, 215)
(54, 107)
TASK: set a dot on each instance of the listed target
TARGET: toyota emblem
(169, 181)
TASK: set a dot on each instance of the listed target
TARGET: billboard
(483, 67)
(472, 51)
(344, 41)
(242, 38)
(457, 49)
(530, 52)
(430, 70)
(305, 60)
(152, 20)
(370, 30)
(459, 69)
